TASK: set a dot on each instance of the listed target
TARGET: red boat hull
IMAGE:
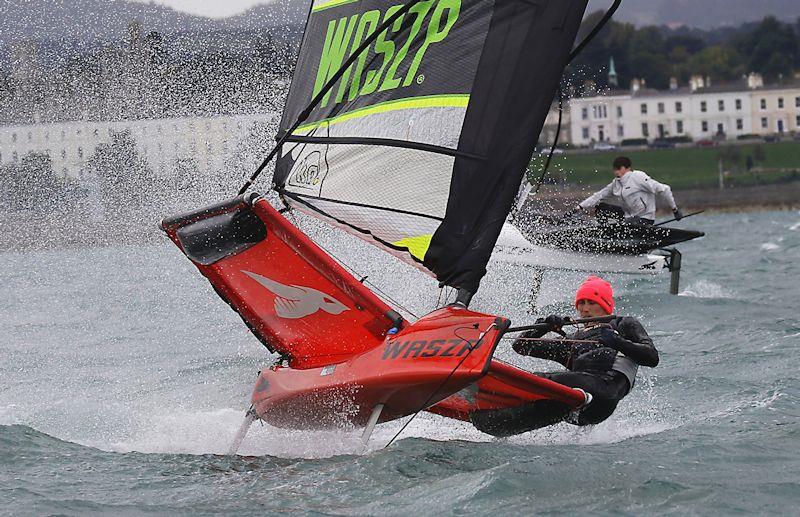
(421, 365)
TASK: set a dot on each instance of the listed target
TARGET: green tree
(772, 48)
(32, 185)
(719, 62)
(127, 185)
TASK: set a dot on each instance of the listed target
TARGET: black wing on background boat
(626, 239)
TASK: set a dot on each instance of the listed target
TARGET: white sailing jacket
(637, 192)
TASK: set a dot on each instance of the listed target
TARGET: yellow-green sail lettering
(435, 34)
(382, 46)
(369, 20)
(337, 40)
(420, 10)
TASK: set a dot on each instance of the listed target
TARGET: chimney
(673, 83)
(755, 80)
(636, 85)
(708, 81)
(696, 82)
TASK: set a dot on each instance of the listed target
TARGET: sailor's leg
(249, 418)
(606, 390)
(520, 419)
(373, 419)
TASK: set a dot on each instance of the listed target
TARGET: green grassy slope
(681, 168)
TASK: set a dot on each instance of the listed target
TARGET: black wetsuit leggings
(607, 389)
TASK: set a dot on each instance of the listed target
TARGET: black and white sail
(421, 146)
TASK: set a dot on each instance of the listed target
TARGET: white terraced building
(698, 112)
(212, 142)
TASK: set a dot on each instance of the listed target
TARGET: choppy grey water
(124, 378)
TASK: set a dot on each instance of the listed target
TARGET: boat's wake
(706, 289)
(210, 432)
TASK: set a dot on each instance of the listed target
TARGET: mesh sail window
(421, 145)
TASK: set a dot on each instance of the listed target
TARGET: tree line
(769, 47)
(147, 77)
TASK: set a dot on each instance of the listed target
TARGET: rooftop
(736, 86)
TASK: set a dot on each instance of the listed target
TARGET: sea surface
(123, 379)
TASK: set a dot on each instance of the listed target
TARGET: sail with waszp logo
(420, 145)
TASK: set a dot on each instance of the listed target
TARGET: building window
(30, 136)
(703, 106)
(797, 121)
(764, 122)
(738, 104)
(645, 129)
(720, 129)
(619, 108)
(599, 111)
(80, 152)
(705, 126)
(661, 107)
(585, 133)
(14, 137)
(621, 130)
(584, 113)
(678, 107)
(679, 126)
(63, 154)
(644, 109)
(797, 102)
(780, 102)
(739, 124)
(763, 104)
(721, 105)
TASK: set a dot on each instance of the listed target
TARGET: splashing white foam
(706, 289)
(770, 246)
(795, 227)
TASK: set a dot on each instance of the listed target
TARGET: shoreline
(30, 231)
(755, 198)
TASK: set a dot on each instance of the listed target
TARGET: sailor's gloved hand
(555, 322)
(608, 337)
(678, 214)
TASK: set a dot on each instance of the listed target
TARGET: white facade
(211, 142)
(701, 114)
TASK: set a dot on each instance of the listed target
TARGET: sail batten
(421, 144)
(386, 142)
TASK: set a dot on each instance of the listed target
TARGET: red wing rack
(294, 297)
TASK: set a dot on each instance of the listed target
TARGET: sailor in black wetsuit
(605, 366)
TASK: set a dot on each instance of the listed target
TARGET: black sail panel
(524, 56)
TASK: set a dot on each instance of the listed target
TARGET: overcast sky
(213, 8)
